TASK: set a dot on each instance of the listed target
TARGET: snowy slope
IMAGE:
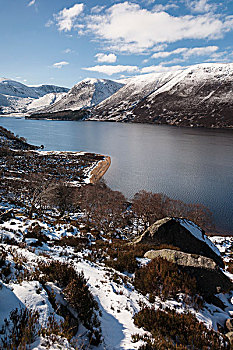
(134, 90)
(197, 232)
(15, 96)
(45, 101)
(118, 300)
(87, 93)
(200, 95)
(14, 88)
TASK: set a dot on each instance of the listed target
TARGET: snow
(17, 97)
(118, 301)
(45, 101)
(197, 232)
(197, 73)
(34, 297)
(85, 94)
(9, 302)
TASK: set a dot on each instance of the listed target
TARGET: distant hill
(17, 97)
(198, 96)
(87, 93)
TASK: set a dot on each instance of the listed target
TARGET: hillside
(198, 96)
(85, 94)
(17, 97)
(119, 105)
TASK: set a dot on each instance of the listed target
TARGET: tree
(103, 207)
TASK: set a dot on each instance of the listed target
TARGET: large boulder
(209, 277)
(181, 258)
(182, 234)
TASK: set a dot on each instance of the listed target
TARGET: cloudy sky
(63, 41)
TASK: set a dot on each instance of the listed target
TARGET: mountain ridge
(196, 96)
(85, 94)
(17, 97)
(198, 84)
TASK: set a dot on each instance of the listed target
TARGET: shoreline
(100, 169)
(123, 121)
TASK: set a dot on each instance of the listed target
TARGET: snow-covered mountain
(16, 97)
(45, 101)
(85, 94)
(200, 95)
(134, 90)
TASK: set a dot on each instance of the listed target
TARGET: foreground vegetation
(96, 225)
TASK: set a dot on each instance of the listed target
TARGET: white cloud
(67, 51)
(160, 7)
(200, 51)
(49, 23)
(97, 9)
(160, 47)
(128, 27)
(161, 68)
(60, 64)
(32, 2)
(200, 6)
(110, 70)
(187, 52)
(66, 18)
(110, 58)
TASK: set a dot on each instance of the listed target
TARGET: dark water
(194, 165)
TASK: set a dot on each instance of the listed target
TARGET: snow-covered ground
(117, 298)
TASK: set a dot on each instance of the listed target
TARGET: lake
(194, 165)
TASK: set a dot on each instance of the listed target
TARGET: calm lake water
(194, 165)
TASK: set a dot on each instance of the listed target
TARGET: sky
(61, 42)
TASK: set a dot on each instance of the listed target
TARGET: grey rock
(181, 258)
(180, 234)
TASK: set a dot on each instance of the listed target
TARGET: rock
(229, 335)
(7, 215)
(181, 258)
(209, 277)
(182, 234)
(229, 324)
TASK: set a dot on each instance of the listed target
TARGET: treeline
(107, 210)
(8, 138)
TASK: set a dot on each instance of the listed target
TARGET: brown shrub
(170, 330)
(163, 278)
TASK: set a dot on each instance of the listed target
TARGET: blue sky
(64, 41)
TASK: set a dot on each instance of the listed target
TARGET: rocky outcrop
(182, 234)
(181, 258)
(230, 337)
(209, 277)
